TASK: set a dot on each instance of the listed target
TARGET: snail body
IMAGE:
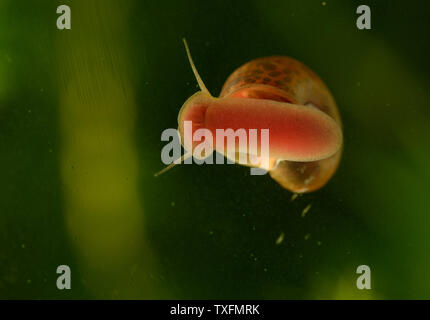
(283, 95)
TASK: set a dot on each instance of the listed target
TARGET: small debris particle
(319, 243)
(172, 203)
(306, 209)
(294, 197)
(323, 3)
(280, 238)
(211, 232)
(309, 180)
(307, 236)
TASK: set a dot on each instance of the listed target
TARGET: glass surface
(82, 111)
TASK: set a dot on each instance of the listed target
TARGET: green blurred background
(82, 111)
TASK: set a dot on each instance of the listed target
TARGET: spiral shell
(285, 79)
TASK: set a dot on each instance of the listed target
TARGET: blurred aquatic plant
(384, 100)
(99, 161)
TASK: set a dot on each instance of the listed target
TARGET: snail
(283, 95)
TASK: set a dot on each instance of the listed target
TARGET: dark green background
(210, 231)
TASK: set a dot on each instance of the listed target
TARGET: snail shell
(285, 79)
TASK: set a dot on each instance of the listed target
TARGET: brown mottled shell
(288, 80)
